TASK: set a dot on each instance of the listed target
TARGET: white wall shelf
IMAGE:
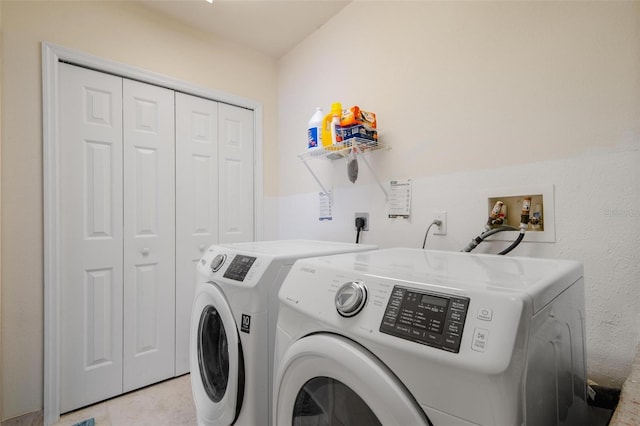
(338, 151)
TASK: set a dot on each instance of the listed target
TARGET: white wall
(476, 96)
(118, 31)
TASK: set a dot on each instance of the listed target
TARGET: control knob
(351, 298)
(217, 262)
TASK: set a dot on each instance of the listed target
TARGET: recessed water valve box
(541, 226)
(512, 207)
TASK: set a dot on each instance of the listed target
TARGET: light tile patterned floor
(168, 403)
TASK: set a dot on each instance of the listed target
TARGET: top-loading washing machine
(413, 337)
(233, 325)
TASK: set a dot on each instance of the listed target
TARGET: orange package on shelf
(355, 115)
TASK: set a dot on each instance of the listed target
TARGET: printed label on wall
(400, 199)
(325, 206)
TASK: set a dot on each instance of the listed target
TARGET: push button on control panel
(485, 314)
(480, 339)
(455, 315)
(454, 327)
(391, 314)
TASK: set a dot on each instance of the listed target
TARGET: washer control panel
(239, 267)
(432, 319)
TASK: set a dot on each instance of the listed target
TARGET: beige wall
(475, 97)
(119, 31)
(461, 86)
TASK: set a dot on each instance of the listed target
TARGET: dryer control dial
(217, 262)
(350, 298)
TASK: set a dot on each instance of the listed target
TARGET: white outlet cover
(442, 217)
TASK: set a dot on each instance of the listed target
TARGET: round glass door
(213, 354)
(216, 358)
(329, 380)
(327, 401)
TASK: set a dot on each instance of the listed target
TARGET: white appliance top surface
(295, 249)
(541, 279)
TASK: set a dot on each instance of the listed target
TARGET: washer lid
(294, 249)
(539, 279)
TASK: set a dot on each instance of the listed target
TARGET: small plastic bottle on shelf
(314, 130)
(330, 123)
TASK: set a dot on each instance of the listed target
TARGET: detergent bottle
(330, 122)
(314, 130)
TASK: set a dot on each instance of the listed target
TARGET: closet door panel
(149, 179)
(149, 234)
(236, 174)
(91, 237)
(196, 205)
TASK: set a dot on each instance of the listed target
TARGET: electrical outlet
(366, 220)
(442, 228)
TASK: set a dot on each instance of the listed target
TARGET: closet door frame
(52, 56)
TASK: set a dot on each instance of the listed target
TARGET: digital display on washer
(433, 300)
(239, 267)
(431, 319)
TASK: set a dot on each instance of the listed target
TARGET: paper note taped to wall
(400, 199)
(325, 206)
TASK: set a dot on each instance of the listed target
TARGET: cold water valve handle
(524, 214)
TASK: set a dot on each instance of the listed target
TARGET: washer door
(326, 379)
(216, 359)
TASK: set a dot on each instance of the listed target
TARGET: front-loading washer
(414, 337)
(233, 326)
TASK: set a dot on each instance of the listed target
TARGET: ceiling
(270, 26)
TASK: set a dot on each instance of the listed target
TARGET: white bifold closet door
(197, 201)
(149, 178)
(236, 171)
(91, 221)
(117, 298)
(214, 149)
(149, 234)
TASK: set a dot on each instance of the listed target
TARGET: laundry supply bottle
(330, 123)
(314, 130)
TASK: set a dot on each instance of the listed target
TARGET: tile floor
(165, 404)
(170, 404)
